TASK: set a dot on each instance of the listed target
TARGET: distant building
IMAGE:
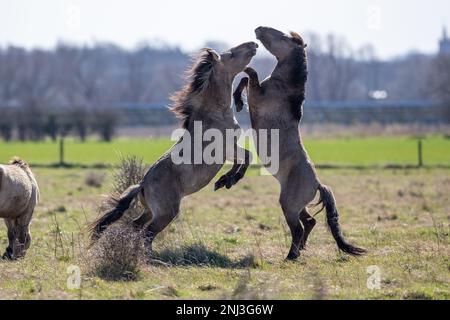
(444, 43)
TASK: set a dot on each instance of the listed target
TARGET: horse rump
(119, 206)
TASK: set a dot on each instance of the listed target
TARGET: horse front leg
(237, 95)
(224, 179)
(240, 173)
(253, 82)
(242, 160)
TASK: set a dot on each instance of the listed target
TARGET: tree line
(73, 90)
(36, 123)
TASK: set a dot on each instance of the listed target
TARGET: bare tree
(80, 120)
(7, 124)
(105, 122)
(439, 79)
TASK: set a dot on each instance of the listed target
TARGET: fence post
(61, 151)
(419, 150)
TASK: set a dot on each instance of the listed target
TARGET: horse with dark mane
(206, 99)
(276, 103)
(19, 195)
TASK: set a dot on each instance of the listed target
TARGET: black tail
(120, 206)
(327, 198)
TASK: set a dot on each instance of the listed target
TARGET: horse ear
(212, 55)
(298, 39)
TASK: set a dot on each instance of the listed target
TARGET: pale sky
(394, 27)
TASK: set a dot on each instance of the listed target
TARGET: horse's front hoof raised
(220, 183)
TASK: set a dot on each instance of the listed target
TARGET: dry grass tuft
(95, 179)
(130, 171)
(118, 255)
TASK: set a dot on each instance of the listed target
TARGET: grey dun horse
(276, 103)
(19, 195)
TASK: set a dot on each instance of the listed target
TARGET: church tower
(444, 43)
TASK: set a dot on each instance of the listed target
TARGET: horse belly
(199, 177)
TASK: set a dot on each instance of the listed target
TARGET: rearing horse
(276, 103)
(206, 98)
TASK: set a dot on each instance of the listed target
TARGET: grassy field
(364, 151)
(232, 244)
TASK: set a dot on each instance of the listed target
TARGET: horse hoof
(230, 182)
(292, 256)
(7, 256)
(220, 183)
(250, 71)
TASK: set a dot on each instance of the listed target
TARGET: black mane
(297, 81)
(199, 74)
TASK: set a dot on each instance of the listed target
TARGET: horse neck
(212, 103)
(284, 68)
(282, 71)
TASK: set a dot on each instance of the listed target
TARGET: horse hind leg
(23, 233)
(162, 216)
(291, 214)
(293, 221)
(297, 217)
(143, 219)
(24, 241)
(12, 238)
(308, 224)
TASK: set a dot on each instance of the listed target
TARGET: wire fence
(343, 153)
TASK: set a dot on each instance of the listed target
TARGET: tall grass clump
(130, 171)
(118, 255)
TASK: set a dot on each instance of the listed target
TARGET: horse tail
(120, 205)
(332, 215)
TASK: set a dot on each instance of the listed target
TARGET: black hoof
(231, 181)
(220, 183)
(250, 71)
(292, 256)
(7, 256)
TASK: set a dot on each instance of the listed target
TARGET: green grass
(366, 151)
(369, 151)
(224, 239)
(90, 152)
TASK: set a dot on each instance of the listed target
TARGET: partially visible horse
(206, 99)
(276, 103)
(19, 195)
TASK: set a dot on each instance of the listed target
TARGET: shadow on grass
(200, 256)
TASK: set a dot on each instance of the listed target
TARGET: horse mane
(199, 75)
(297, 39)
(298, 76)
(16, 161)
